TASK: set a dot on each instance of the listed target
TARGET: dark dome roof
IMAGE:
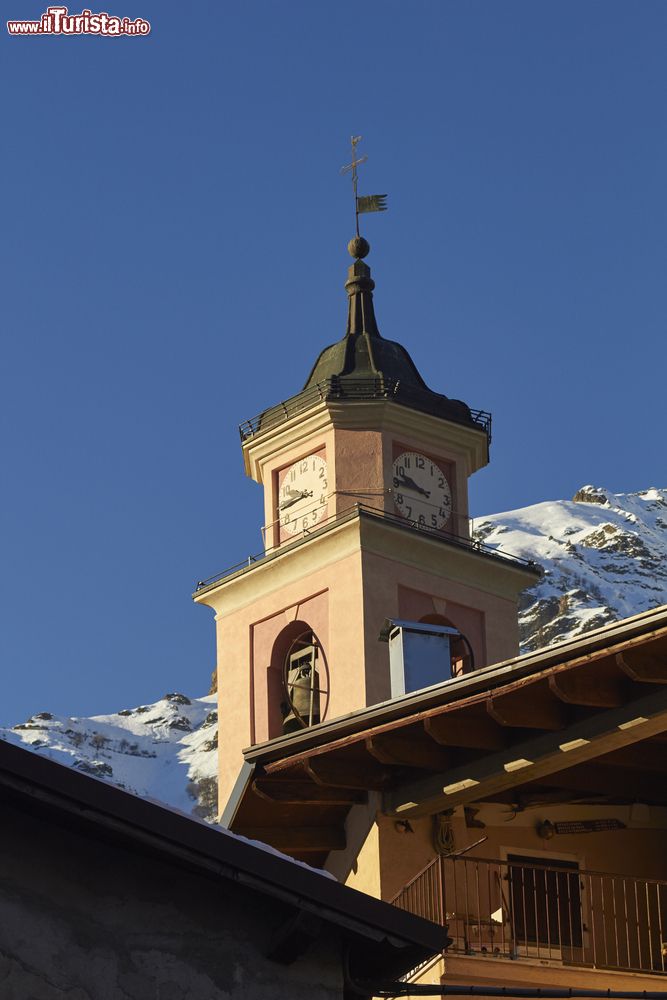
(363, 356)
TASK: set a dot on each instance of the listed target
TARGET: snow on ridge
(166, 751)
(604, 557)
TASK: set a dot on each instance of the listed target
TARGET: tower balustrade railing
(357, 510)
(353, 388)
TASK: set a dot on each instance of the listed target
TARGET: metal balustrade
(359, 510)
(544, 912)
(359, 389)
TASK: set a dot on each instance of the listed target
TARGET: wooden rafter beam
(532, 706)
(598, 779)
(531, 759)
(639, 757)
(461, 729)
(644, 667)
(351, 773)
(295, 792)
(586, 687)
(407, 751)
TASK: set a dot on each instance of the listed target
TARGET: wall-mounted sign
(589, 826)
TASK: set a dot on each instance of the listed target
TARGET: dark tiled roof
(88, 802)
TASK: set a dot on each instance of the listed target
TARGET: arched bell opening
(460, 651)
(298, 680)
(305, 683)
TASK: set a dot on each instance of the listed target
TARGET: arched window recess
(305, 683)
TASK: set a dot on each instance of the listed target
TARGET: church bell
(302, 688)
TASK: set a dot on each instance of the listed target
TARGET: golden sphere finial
(358, 247)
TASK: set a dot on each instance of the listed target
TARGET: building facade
(365, 475)
(104, 895)
(517, 801)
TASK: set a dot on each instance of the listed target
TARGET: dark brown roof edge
(644, 625)
(216, 852)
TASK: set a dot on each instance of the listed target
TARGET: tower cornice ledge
(446, 558)
(469, 441)
(282, 567)
(373, 532)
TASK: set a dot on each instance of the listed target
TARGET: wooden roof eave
(619, 637)
(469, 738)
(537, 701)
(532, 759)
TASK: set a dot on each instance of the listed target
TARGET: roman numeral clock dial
(421, 491)
(302, 495)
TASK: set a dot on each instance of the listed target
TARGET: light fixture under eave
(546, 830)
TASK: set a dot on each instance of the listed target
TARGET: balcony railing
(361, 510)
(555, 912)
(360, 388)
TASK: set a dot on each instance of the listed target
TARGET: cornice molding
(286, 568)
(366, 534)
(382, 415)
(428, 554)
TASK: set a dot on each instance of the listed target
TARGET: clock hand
(412, 485)
(288, 503)
(294, 498)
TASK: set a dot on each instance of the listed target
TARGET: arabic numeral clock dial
(303, 495)
(421, 491)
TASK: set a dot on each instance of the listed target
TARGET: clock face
(421, 491)
(303, 494)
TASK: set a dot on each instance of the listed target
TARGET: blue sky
(174, 230)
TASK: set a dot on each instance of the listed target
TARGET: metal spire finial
(352, 168)
(358, 246)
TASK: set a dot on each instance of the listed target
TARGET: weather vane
(367, 202)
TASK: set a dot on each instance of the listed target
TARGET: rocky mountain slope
(604, 557)
(165, 751)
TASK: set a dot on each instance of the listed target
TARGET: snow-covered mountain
(165, 751)
(604, 557)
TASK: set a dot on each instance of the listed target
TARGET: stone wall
(84, 918)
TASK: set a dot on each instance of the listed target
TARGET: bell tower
(365, 476)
